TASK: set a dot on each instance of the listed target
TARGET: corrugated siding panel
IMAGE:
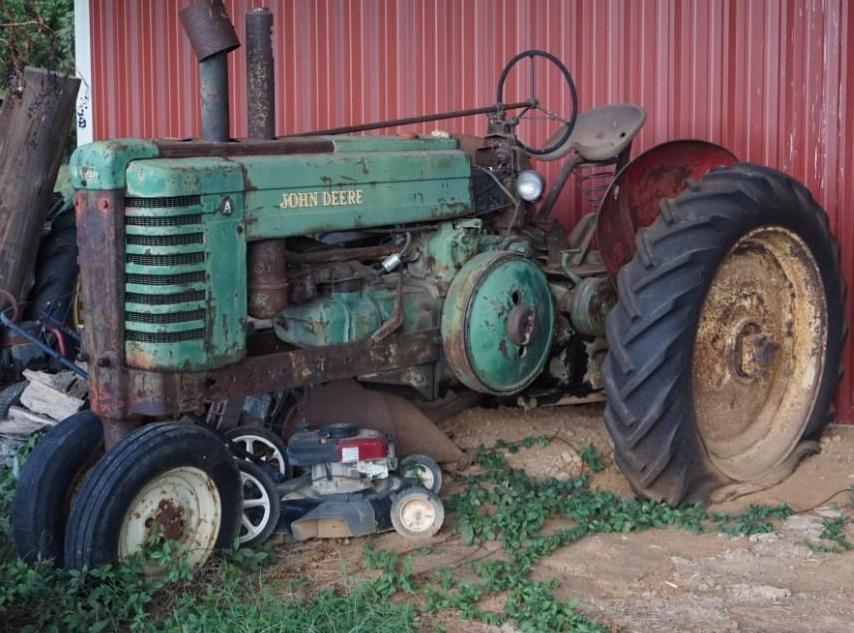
(769, 79)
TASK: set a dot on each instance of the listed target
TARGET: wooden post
(34, 119)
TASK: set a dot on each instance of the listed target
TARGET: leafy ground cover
(495, 503)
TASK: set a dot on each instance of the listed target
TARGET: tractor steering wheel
(566, 124)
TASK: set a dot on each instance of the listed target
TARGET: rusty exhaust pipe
(260, 81)
(212, 37)
(266, 263)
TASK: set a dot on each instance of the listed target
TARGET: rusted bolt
(103, 204)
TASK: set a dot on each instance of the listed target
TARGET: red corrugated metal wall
(769, 79)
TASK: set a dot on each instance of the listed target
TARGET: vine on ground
(532, 518)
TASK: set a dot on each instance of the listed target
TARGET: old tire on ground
(725, 343)
(52, 473)
(164, 480)
(261, 506)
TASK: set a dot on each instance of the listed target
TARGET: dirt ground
(662, 580)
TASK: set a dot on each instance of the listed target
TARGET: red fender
(632, 199)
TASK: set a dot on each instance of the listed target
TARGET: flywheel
(498, 323)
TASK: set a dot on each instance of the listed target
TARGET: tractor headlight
(530, 185)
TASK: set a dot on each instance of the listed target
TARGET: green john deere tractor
(710, 310)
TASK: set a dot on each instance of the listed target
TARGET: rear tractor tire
(162, 481)
(726, 341)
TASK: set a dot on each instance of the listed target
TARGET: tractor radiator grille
(166, 240)
(165, 220)
(166, 280)
(164, 337)
(178, 259)
(165, 299)
(161, 319)
(170, 278)
(168, 202)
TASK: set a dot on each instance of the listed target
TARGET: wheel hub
(759, 352)
(521, 324)
(417, 515)
(168, 519)
(181, 505)
(752, 352)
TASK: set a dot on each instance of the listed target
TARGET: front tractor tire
(164, 481)
(49, 480)
(726, 340)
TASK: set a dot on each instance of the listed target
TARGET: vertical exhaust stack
(260, 81)
(212, 37)
(266, 264)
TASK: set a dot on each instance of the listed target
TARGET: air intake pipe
(212, 37)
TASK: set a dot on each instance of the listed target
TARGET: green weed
(754, 520)
(529, 518)
(834, 532)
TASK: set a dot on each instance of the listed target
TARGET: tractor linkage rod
(348, 129)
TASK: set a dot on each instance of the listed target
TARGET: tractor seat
(600, 134)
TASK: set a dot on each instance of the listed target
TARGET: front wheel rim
(759, 352)
(257, 508)
(181, 505)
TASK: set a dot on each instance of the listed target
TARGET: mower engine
(343, 458)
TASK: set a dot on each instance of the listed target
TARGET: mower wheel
(726, 341)
(417, 513)
(263, 444)
(51, 475)
(261, 504)
(423, 471)
(163, 481)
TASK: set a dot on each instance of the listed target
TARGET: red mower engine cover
(366, 447)
(339, 443)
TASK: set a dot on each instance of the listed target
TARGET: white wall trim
(83, 64)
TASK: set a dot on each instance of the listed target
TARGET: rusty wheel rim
(759, 352)
(181, 505)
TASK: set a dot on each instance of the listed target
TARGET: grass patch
(500, 504)
(231, 595)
